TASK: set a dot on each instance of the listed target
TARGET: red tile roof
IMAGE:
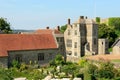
(12, 42)
(43, 31)
(47, 31)
(57, 31)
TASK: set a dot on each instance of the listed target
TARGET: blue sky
(35, 14)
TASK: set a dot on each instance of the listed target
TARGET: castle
(79, 39)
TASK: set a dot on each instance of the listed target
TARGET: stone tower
(103, 45)
(81, 38)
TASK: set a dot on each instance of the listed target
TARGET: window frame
(41, 56)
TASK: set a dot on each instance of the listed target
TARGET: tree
(5, 26)
(106, 70)
(63, 28)
(98, 19)
(105, 31)
(115, 21)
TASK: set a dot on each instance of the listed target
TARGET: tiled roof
(43, 31)
(47, 31)
(116, 43)
(12, 42)
(57, 31)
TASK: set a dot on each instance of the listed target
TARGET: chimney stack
(81, 17)
(58, 28)
(47, 27)
(69, 21)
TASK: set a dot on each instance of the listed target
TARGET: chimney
(47, 27)
(58, 28)
(81, 17)
(69, 21)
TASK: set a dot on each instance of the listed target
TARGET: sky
(37, 14)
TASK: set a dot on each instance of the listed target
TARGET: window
(61, 47)
(68, 32)
(57, 39)
(40, 56)
(61, 39)
(75, 54)
(75, 32)
(75, 45)
(18, 58)
(69, 43)
(102, 43)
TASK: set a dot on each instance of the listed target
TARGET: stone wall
(81, 32)
(3, 62)
(116, 50)
(103, 45)
(60, 43)
(32, 56)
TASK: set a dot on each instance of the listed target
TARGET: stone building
(103, 45)
(116, 47)
(58, 36)
(81, 38)
(38, 48)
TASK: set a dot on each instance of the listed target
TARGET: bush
(15, 64)
(5, 75)
(57, 61)
(82, 62)
(106, 70)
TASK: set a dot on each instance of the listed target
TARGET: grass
(116, 60)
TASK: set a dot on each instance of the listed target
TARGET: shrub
(15, 64)
(5, 74)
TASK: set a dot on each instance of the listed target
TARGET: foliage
(106, 70)
(117, 32)
(63, 28)
(107, 32)
(70, 69)
(5, 74)
(92, 69)
(15, 64)
(57, 61)
(34, 74)
(110, 49)
(5, 26)
(87, 70)
(23, 66)
(115, 21)
(98, 19)
(82, 62)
